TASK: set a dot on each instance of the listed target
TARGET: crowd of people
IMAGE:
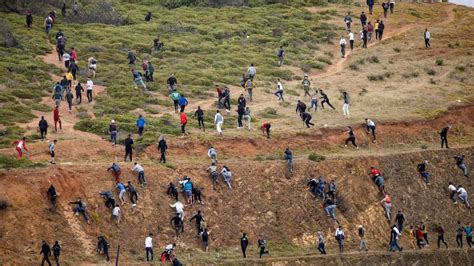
(192, 193)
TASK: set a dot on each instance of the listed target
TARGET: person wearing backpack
(280, 54)
(48, 24)
(339, 235)
(175, 97)
(363, 243)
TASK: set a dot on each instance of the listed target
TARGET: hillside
(411, 92)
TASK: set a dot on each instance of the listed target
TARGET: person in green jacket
(306, 85)
(175, 97)
(149, 72)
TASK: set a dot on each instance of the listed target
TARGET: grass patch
(439, 62)
(316, 157)
(410, 75)
(397, 50)
(268, 112)
(430, 72)
(10, 163)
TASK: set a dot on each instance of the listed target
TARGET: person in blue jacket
(182, 101)
(141, 124)
(188, 190)
(370, 3)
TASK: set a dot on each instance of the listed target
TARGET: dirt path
(79, 233)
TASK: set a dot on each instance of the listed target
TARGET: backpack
(93, 62)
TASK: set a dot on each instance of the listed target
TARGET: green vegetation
(439, 62)
(9, 163)
(316, 157)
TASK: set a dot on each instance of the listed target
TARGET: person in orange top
(266, 129)
(20, 146)
(57, 119)
(73, 54)
(387, 204)
(184, 121)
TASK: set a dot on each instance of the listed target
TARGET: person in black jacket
(199, 219)
(300, 107)
(178, 224)
(103, 247)
(128, 147)
(199, 115)
(43, 127)
(241, 100)
(56, 252)
(172, 82)
(46, 251)
(400, 219)
(325, 99)
(173, 191)
(244, 242)
(79, 90)
(52, 195)
(306, 117)
(262, 244)
(381, 29)
(444, 136)
(163, 147)
(197, 195)
(240, 113)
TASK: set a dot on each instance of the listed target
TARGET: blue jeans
(465, 200)
(331, 211)
(290, 165)
(113, 137)
(463, 168)
(426, 176)
(394, 245)
(314, 103)
(141, 178)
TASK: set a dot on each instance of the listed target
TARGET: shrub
(424, 146)
(374, 59)
(354, 67)
(9, 163)
(363, 92)
(460, 68)
(293, 92)
(316, 157)
(6, 36)
(430, 72)
(396, 49)
(439, 62)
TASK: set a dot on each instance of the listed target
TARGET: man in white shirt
(279, 90)
(370, 127)
(462, 194)
(90, 86)
(149, 247)
(427, 36)
(452, 190)
(117, 214)
(212, 153)
(179, 209)
(219, 120)
(52, 148)
(343, 43)
(141, 173)
(351, 40)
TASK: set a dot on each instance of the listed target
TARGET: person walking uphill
(427, 36)
(288, 155)
(339, 235)
(163, 147)
(183, 120)
(183, 102)
(351, 137)
(199, 115)
(370, 3)
(137, 168)
(141, 122)
(46, 251)
(444, 136)
(370, 127)
(175, 97)
(79, 89)
(244, 242)
(240, 116)
(56, 252)
(128, 142)
(262, 244)
(440, 230)
(113, 132)
(460, 164)
(385, 7)
(421, 167)
(29, 19)
(280, 55)
(306, 117)
(43, 128)
(57, 119)
(325, 99)
(306, 83)
(343, 43)
(218, 120)
(90, 87)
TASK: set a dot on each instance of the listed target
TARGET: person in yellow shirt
(69, 78)
(376, 29)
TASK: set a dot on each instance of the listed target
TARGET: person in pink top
(73, 54)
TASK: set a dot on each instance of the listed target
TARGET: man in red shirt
(56, 118)
(266, 129)
(184, 121)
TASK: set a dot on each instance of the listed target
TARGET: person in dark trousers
(241, 100)
(306, 117)
(424, 230)
(288, 155)
(365, 37)
(43, 127)
(46, 251)
(244, 242)
(63, 10)
(131, 58)
(461, 165)
(29, 19)
(459, 233)
(370, 3)
(370, 127)
(182, 102)
(52, 195)
(184, 121)
(266, 129)
(141, 124)
(199, 115)
(148, 16)
(351, 137)
(300, 107)
(440, 230)
(178, 224)
(444, 136)
(385, 7)
(400, 219)
(163, 147)
(79, 89)
(381, 29)
(363, 19)
(325, 99)
(321, 243)
(199, 219)
(128, 142)
(240, 115)
(262, 244)
(197, 195)
(81, 209)
(172, 83)
(427, 36)
(132, 192)
(280, 55)
(103, 247)
(56, 252)
(109, 199)
(74, 68)
(69, 98)
(421, 168)
(172, 191)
